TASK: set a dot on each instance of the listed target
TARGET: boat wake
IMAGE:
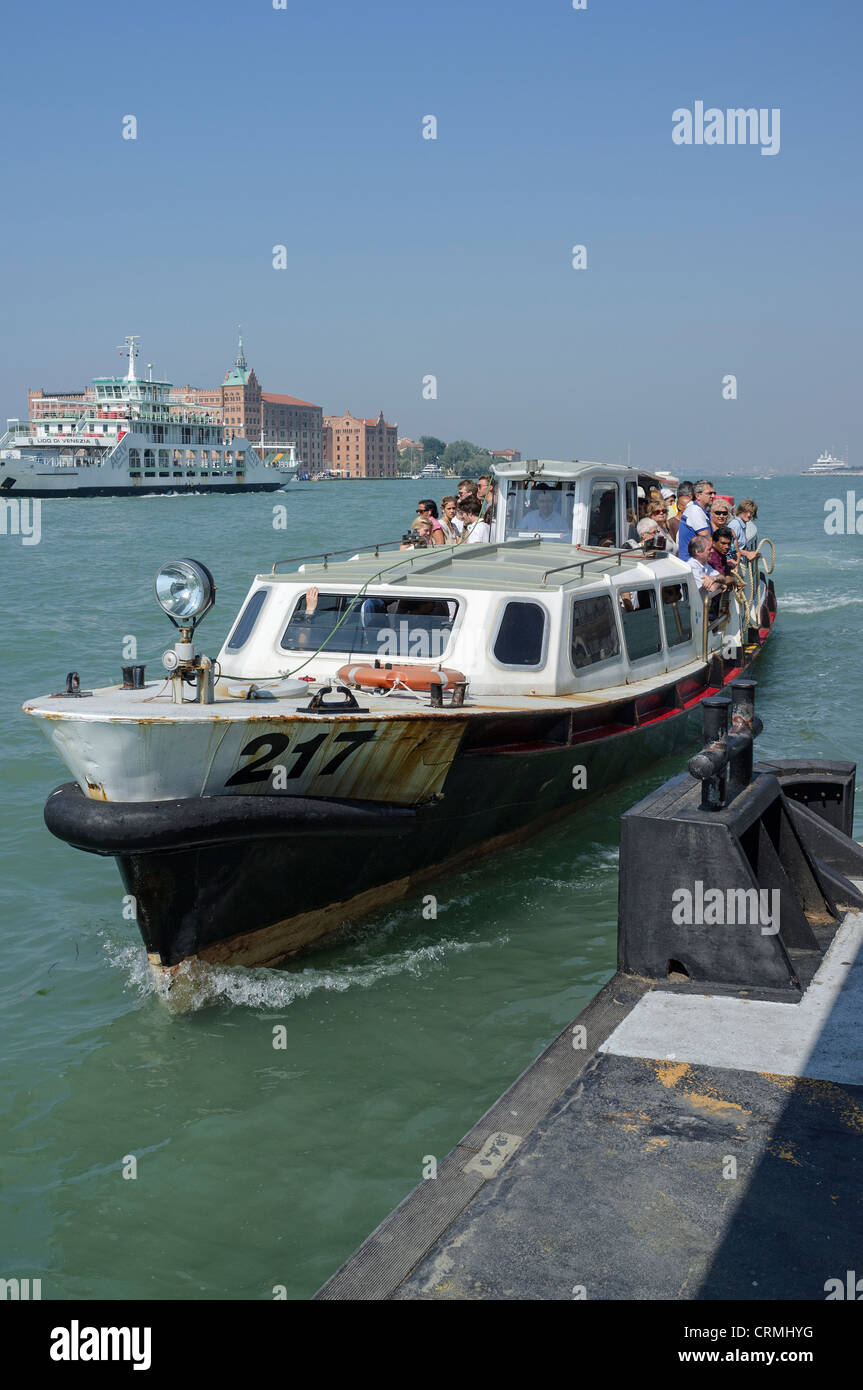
(196, 985)
(812, 602)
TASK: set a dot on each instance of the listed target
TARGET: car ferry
(127, 437)
(374, 719)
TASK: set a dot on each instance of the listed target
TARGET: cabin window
(520, 635)
(540, 508)
(602, 526)
(134, 458)
(393, 629)
(676, 613)
(640, 623)
(594, 632)
(249, 616)
(632, 511)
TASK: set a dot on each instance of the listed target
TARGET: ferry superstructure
(127, 437)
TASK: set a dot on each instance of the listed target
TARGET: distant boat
(126, 436)
(827, 465)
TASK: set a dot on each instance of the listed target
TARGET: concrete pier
(679, 1140)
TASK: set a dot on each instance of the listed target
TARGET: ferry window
(640, 623)
(594, 631)
(520, 635)
(602, 527)
(243, 631)
(388, 628)
(540, 508)
(676, 613)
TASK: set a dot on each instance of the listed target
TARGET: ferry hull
(251, 880)
(130, 490)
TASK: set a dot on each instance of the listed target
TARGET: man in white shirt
(696, 518)
(474, 531)
(706, 577)
(543, 515)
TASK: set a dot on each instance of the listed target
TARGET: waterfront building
(359, 448)
(261, 416)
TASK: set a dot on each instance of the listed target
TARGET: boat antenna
(130, 349)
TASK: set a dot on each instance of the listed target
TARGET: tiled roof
(275, 399)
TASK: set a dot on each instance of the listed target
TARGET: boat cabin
(582, 503)
(525, 617)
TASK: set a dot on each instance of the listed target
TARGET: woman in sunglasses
(658, 512)
(427, 511)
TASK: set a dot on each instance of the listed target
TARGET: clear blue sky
(406, 256)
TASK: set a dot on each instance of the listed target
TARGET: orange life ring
(413, 677)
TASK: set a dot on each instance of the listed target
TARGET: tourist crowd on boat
(693, 523)
(465, 519)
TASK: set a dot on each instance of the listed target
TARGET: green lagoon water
(259, 1167)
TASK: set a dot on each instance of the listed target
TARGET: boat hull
(252, 879)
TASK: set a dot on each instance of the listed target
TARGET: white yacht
(126, 436)
(828, 466)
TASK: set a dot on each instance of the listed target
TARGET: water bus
(375, 718)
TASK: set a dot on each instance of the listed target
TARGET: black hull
(166, 491)
(251, 879)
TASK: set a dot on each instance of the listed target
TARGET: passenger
(696, 518)
(474, 531)
(427, 510)
(744, 528)
(450, 524)
(706, 577)
(658, 512)
(685, 495)
(483, 483)
(422, 535)
(467, 487)
(488, 503)
(648, 534)
(719, 555)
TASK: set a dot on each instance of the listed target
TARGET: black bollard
(745, 727)
(710, 764)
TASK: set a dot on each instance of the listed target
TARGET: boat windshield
(538, 508)
(384, 627)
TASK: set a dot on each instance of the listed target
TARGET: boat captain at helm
(544, 514)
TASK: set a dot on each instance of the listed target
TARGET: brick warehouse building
(361, 448)
(246, 409)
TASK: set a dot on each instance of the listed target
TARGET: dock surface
(672, 1143)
